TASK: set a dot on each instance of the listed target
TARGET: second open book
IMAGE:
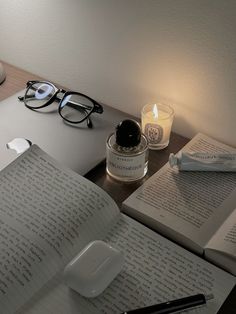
(195, 209)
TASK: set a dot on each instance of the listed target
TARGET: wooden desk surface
(16, 80)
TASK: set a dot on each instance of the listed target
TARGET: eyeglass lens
(75, 107)
(39, 94)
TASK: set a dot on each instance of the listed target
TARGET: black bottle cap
(128, 133)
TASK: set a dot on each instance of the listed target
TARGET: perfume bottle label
(126, 166)
(154, 133)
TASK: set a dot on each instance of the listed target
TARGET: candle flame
(155, 111)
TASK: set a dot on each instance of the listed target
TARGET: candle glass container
(157, 121)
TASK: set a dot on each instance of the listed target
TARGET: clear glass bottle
(127, 152)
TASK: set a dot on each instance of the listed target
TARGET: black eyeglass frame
(96, 106)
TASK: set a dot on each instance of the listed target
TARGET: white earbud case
(93, 269)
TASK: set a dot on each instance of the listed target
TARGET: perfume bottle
(127, 152)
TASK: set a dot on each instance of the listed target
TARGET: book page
(222, 246)
(47, 215)
(186, 206)
(155, 270)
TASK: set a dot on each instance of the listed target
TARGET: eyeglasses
(73, 107)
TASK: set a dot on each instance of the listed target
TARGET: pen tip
(209, 297)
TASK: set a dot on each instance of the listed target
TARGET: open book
(196, 209)
(48, 213)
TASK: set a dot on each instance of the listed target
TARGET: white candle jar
(157, 121)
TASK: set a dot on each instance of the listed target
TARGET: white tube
(203, 161)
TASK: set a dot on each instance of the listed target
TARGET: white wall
(126, 53)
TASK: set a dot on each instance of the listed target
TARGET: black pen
(173, 306)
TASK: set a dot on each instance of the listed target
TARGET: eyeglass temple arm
(30, 82)
(98, 108)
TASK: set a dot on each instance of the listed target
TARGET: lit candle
(156, 124)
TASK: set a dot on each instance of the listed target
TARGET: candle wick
(155, 111)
